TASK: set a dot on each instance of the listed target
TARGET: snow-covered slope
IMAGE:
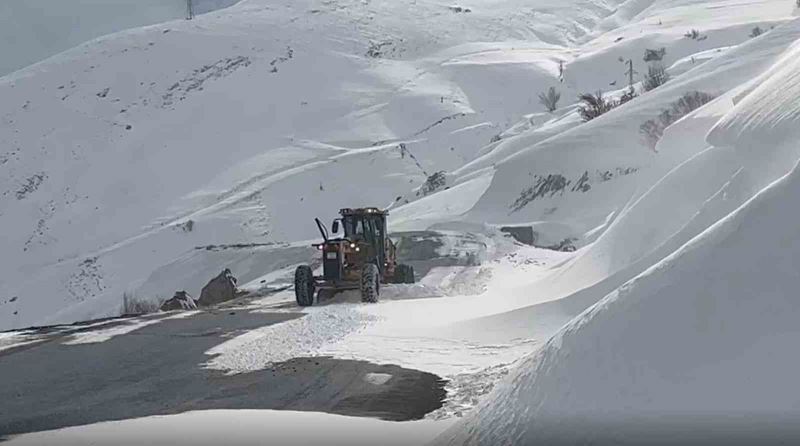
(701, 339)
(695, 348)
(135, 134)
(146, 161)
(247, 122)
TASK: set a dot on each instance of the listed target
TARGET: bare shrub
(594, 105)
(757, 31)
(550, 99)
(135, 305)
(651, 55)
(656, 76)
(693, 34)
(653, 129)
(627, 96)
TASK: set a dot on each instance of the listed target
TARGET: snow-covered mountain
(133, 163)
(249, 122)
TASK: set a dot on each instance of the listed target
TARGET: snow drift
(703, 337)
(698, 347)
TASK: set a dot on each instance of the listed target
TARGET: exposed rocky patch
(194, 82)
(459, 9)
(40, 235)
(439, 122)
(239, 246)
(552, 184)
(384, 49)
(433, 183)
(8, 156)
(30, 185)
(281, 59)
(87, 281)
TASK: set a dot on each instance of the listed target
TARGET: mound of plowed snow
(702, 340)
(700, 346)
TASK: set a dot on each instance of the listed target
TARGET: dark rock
(566, 245)
(522, 234)
(180, 301)
(220, 289)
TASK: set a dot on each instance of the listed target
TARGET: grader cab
(362, 258)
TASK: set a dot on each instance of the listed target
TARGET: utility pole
(630, 73)
(189, 10)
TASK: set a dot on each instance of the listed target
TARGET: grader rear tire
(370, 283)
(304, 286)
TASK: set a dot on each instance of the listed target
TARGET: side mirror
(335, 227)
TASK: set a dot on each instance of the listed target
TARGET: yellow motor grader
(360, 259)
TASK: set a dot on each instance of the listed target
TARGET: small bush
(653, 129)
(594, 105)
(651, 55)
(757, 31)
(550, 99)
(656, 76)
(627, 96)
(134, 305)
(187, 226)
(693, 34)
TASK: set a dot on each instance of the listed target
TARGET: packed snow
(656, 281)
(240, 428)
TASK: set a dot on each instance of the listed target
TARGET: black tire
(404, 274)
(304, 286)
(370, 283)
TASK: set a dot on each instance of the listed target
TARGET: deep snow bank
(699, 347)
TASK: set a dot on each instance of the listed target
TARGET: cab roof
(362, 211)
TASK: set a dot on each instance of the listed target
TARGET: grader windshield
(363, 227)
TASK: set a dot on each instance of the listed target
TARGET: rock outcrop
(220, 289)
(180, 301)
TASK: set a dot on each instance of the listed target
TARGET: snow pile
(240, 428)
(305, 336)
(698, 347)
(762, 127)
(705, 333)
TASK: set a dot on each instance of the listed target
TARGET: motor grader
(362, 258)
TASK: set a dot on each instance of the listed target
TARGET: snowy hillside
(698, 340)
(143, 135)
(652, 276)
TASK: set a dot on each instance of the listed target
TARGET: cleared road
(156, 370)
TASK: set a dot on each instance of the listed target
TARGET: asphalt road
(156, 370)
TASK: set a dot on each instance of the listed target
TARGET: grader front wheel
(370, 283)
(304, 286)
